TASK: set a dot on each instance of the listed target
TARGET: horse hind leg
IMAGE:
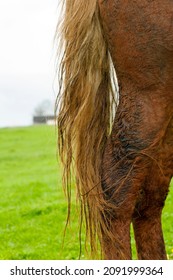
(147, 215)
(147, 219)
(121, 182)
(137, 189)
(130, 166)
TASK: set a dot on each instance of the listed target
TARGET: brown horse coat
(139, 152)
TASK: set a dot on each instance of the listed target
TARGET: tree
(44, 108)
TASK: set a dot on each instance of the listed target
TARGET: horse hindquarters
(136, 166)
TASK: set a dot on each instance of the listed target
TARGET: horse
(115, 137)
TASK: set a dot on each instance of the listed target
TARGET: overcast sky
(26, 57)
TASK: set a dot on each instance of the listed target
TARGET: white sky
(27, 60)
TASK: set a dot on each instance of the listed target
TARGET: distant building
(49, 120)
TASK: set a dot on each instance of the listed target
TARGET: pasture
(32, 204)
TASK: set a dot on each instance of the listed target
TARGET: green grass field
(32, 204)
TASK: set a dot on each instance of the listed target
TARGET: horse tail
(85, 108)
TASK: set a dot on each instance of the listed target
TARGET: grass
(32, 205)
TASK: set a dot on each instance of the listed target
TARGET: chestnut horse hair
(117, 141)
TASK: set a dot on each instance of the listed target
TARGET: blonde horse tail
(85, 108)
